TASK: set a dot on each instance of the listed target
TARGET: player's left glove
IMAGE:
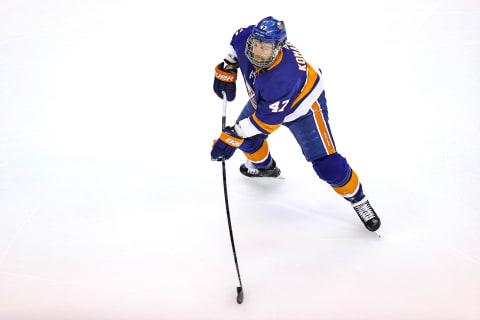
(225, 78)
(226, 145)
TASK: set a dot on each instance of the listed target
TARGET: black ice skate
(366, 213)
(250, 170)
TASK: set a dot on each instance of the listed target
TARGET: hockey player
(283, 89)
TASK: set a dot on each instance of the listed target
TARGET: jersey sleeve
(231, 57)
(272, 108)
(238, 38)
(278, 93)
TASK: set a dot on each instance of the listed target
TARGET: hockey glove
(225, 81)
(226, 145)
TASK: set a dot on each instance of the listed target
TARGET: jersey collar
(277, 61)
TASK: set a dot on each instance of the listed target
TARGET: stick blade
(239, 295)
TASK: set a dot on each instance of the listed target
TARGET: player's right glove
(226, 145)
(225, 81)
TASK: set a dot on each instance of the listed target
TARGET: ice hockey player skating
(283, 89)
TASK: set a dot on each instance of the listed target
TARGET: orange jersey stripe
(322, 127)
(260, 154)
(350, 187)
(265, 126)
(312, 77)
(277, 61)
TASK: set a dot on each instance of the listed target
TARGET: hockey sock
(335, 170)
(350, 188)
(259, 156)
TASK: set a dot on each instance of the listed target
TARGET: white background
(110, 207)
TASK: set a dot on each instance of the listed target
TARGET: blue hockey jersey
(282, 93)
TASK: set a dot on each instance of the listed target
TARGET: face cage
(264, 63)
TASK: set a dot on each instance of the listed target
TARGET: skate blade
(279, 177)
(266, 178)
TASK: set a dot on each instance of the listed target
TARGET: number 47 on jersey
(276, 106)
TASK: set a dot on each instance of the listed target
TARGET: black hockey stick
(239, 289)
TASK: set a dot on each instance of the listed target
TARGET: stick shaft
(224, 116)
(224, 113)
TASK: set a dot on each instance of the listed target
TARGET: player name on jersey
(302, 64)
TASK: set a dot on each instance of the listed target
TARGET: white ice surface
(110, 207)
